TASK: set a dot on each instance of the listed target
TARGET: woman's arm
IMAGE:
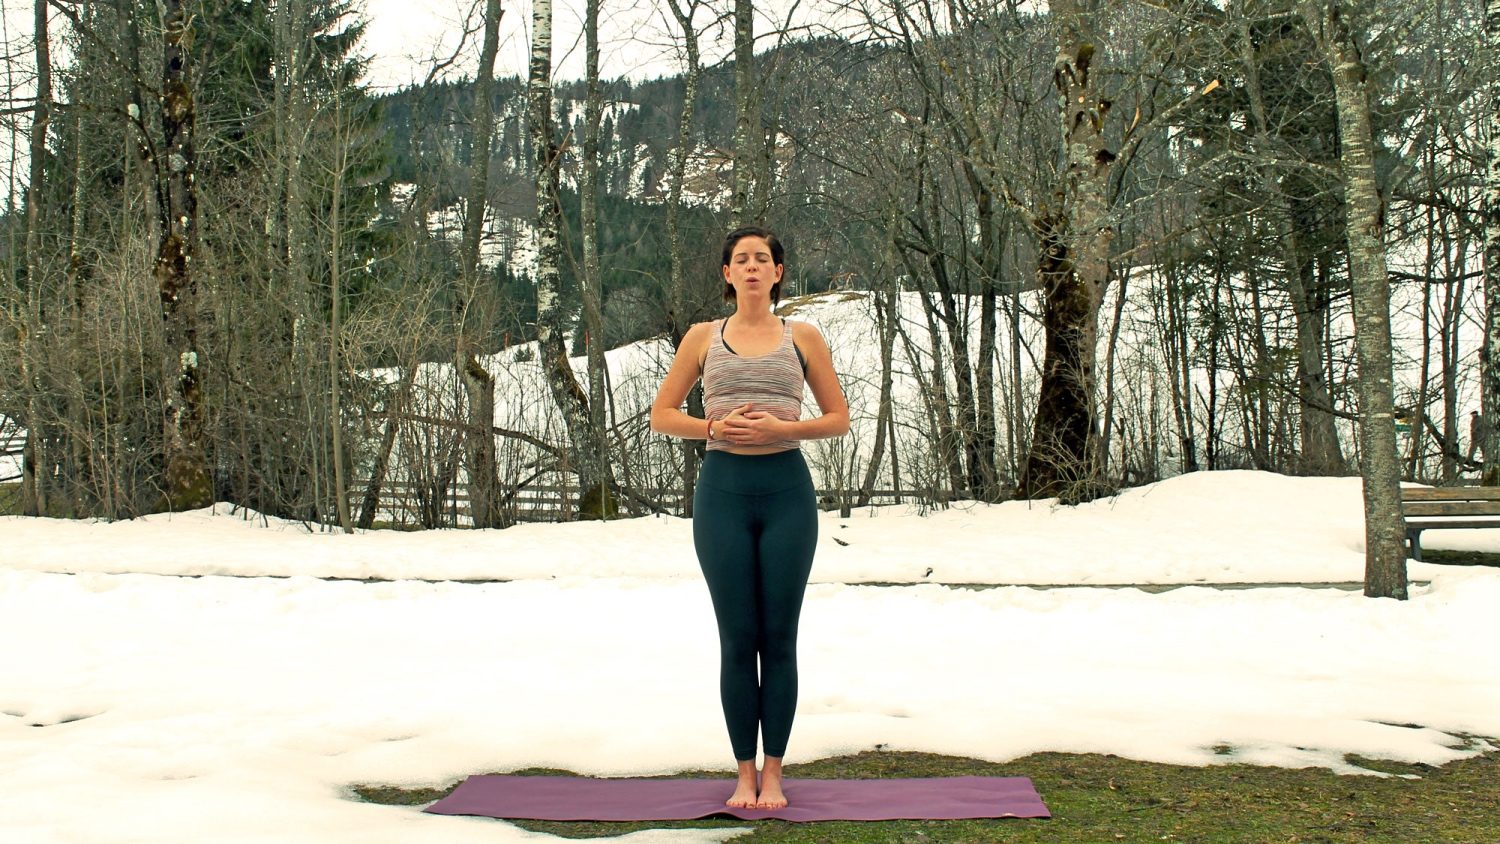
(666, 411)
(824, 382)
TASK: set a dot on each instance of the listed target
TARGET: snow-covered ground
(141, 706)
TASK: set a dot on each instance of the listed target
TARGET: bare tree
(187, 480)
(34, 477)
(592, 292)
(886, 307)
(1490, 366)
(338, 172)
(551, 308)
(682, 311)
(1075, 226)
(1385, 551)
(744, 204)
(479, 385)
(1075, 239)
(1320, 452)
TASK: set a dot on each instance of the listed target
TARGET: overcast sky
(403, 35)
(636, 40)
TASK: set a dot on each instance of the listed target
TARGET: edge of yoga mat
(585, 799)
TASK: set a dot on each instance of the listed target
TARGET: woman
(755, 518)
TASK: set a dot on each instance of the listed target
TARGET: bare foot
(771, 797)
(744, 791)
(770, 786)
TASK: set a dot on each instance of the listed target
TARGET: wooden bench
(1436, 508)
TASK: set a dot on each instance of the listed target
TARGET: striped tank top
(772, 382)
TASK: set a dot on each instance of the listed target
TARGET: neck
(753, 315)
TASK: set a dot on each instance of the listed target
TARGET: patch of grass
(1100, 799)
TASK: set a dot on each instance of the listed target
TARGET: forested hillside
(223, 233)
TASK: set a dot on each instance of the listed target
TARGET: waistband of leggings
(755, 474)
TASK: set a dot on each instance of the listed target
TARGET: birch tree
(551, 309)
(745, 208)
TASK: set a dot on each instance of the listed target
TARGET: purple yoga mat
(581, 799)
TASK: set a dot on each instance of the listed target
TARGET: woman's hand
(747, 426)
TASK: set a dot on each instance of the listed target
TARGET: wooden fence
(401, 503)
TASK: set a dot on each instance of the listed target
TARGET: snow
(846, 319)
(507, 240)
(142, 705)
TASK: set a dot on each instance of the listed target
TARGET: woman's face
(751, 271)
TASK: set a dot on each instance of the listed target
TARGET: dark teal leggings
(755, 526)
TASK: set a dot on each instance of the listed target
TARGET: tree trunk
(984, 478)
(1211, 422)
(294, 462)
(597, 500)
(1109, 374)
(1418, 433)
(336, 329)
(1059, 463)
(1321, 454)
(1073, 265)
(949, 439)
(1448, 346)
(678, 157)
(1490, 377)
(1385, 552)
(887, 311)
(1179, 366)
(550, 307)
(132, 101)
(397, 405)
(1016, 426)
(188, 482)
(692, 450)
(479, 385)
(747, 139)
(79, 429)
(35, 473)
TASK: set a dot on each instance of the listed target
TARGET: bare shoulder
(695, 341)
(806, 332)
(697, 335)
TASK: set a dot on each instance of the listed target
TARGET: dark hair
(778, 256)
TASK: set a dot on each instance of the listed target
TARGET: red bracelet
(710, 428)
